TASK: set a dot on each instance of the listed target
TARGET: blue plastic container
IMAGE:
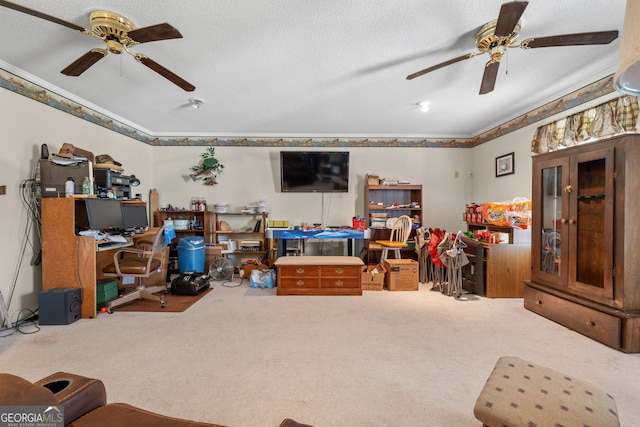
(191, 254)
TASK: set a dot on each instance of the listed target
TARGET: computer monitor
(104, 214)
(135, 216)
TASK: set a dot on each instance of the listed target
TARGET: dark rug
(173, 303)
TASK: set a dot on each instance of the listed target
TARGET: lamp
(627, 78)
(133, 181)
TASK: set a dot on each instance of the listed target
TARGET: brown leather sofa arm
(17, 391)
(288, 422)
(76, 393)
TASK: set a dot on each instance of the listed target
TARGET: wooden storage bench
(319, 275)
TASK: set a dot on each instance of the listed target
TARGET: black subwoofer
(60, 306)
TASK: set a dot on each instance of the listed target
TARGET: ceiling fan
(496, 36)
(119, 34)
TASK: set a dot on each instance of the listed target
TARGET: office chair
(141, 261)
(400, 231)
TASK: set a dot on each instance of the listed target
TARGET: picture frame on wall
(505, 165)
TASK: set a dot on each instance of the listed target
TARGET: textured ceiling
(312, 68)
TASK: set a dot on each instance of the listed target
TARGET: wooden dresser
(319, 275)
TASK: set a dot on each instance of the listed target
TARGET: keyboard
(104, 245)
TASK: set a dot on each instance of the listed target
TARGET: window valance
(619, 115)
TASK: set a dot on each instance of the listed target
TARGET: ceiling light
(424, 106)
(627, 78)
(196, 103)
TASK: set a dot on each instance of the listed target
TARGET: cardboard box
(402, 274)
(372, 277)
(106, 290)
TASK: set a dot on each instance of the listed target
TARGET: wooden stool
(519, 393)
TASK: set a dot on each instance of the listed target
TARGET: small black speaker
(59, 306)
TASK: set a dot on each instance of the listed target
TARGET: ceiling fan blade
(154, 33)
(601, 37)
(169, 75)
(40, 15)
(489, 77)
(83, 63)
(442, 64)
(510, 14)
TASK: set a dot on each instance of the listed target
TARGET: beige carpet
(246, 357)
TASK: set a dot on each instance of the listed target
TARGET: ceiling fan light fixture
(196, 103)
(627, 77)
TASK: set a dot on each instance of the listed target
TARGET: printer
(53, 176)
(109, 179)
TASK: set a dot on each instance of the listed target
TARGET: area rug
(173, 303)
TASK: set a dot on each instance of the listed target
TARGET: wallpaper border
(19, 85)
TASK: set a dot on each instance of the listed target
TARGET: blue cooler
(191, 254)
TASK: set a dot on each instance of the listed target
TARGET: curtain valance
(616, 116)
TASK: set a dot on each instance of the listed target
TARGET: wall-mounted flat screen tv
(314, 171)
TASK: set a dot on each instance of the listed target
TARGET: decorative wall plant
(208, 168)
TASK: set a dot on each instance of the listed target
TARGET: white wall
(251, 174)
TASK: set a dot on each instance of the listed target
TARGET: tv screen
(314, 171)
(135, 216)
(104, 214)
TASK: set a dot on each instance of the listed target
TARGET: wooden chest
(319, 275)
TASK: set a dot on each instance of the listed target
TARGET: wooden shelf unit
(238, 234)
(388, 195)
(201, 216)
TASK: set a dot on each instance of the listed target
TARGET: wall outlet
(128, 280)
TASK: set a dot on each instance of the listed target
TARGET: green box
(106, 291)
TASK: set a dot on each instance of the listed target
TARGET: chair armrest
(76, 393)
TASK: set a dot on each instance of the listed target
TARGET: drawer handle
(300, 283)
(300, 270)
(591, 323)
(339, 270)
(339, 283)
(539, 302)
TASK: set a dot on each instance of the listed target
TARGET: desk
(281, 235)
(72, 261)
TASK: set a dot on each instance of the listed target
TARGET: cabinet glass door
(549, 249)
(591, 210)
(551, 205)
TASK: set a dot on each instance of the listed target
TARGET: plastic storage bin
(191, 251)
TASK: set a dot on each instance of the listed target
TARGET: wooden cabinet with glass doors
(585, 236)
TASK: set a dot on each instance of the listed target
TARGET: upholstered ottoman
(519, 393)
